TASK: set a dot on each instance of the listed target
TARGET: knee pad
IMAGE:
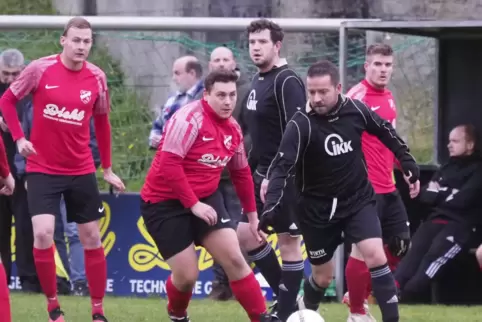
(398, 246)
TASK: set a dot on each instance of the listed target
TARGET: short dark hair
(470, 131)
(276, 32)
(325, 68)
(379, 49)
(195, 66)
(76, 22)
(219, 76)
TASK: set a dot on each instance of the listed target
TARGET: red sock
(47, 275)
(177, 301)
(96, 273)
(393, 260)
(5, 313)
(248, 293)
(357, 279)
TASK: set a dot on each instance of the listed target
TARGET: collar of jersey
(212, 114)
(341, 101)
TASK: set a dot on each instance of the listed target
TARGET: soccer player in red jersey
(8, 183)
(380, 162)
(180, 203)
(67, 91)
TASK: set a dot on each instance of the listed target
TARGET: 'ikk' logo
(251, 102)
(85, 96)
(334, 145)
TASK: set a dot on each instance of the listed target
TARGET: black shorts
(287, 221)
(173, 227)
(81, 194)
(393, 216)
(323, 238)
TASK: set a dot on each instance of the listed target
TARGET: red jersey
(195, 148)
(380, 160)
(63, 104)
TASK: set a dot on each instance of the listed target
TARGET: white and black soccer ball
(305, 316)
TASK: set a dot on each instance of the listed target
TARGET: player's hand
(3, 125)
(9, 185)
(155, 140)
(263, 190)
(411, 171)
(434, 186)
(25, 147)
(414, 188)
(205, 212)
(112, 179)
(254, 228)
(265, 224)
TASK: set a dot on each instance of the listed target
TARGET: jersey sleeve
(290, 95)
(102, 103)
(385, 132)
(4, 167)
(181, 133)
(293, 144)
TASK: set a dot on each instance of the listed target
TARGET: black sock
(314, 294)
(385, 291)
(291, 276)
(266, 261)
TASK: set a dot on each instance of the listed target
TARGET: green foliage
(130, 117)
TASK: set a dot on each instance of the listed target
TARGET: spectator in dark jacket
(11, 64)
(73, 261)
(454, 195)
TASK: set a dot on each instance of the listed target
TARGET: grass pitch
(32, 308)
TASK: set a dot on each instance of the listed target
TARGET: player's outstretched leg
(263, 256)
(292, 273)
(95, 267)
(358, 281)
(43, 253)
(315, 285)
(223, 245)
(5, 313)
(383, 282)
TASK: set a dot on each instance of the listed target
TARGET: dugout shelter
(458, 97)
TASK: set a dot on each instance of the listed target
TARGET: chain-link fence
(138, 66)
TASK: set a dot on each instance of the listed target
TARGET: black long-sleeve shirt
(274, 98)
(459, 197)
(325, 154)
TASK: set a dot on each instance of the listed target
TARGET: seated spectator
(187, 74)
(454, 193)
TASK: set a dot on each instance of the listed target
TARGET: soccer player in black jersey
(322, 147)
(277, 93)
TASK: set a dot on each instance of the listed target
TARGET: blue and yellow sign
(134, 266)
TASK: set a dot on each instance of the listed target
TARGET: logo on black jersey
(334, 145)
(251, 102)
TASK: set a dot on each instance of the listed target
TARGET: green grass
(29, 308)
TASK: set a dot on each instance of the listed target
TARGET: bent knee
(89, 235)
(43, 236)
(290, 247)
(185, 279)
(246, 239)
(322, 280)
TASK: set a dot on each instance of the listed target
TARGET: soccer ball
(305, 316)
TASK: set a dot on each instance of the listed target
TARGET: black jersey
(326, 155)
(458, 197)
(274, 98)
